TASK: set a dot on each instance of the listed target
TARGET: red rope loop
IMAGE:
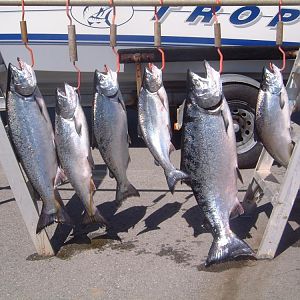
(117, 59)
(279, 47)
(23, 10)
(163, 61)
(68, 11)
(26, 44)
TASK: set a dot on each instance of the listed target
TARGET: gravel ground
(157, 252)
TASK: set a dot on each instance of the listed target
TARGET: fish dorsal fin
(281, 101)
(225, 119)
(78, 125)
(239, 175)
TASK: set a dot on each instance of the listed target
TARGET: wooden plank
(263, 166)
(265, 161)
(282, 209)
(22, 195)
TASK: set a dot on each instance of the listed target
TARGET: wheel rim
(243, 117)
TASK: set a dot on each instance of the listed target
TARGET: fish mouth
(271, 79)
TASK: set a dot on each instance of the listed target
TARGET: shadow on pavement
(162, 214)
(196, 219)
(75, 210)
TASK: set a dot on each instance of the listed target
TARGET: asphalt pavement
(156, 251)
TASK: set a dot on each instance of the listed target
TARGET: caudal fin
(61, 216)
(124, 192)
(173, 177)
(96, 218)
(232, 249)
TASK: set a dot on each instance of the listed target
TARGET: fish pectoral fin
(236, 210)
(128, 139)
(156, 163)
(78, 126)
(60, 177)
(41, 107)
(239, 175)
(162, 96)
(121, 101)
(90, 159)
(281, 101)
(139, 132)
(128, 161)
(111, 175)
(225, 119)
(171, 148)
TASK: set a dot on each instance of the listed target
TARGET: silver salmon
(209, 157)
(33, 138)
(111, 131)
(272, 120)
(154, 123)
(74, 152)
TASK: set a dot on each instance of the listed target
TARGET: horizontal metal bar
(201, 53)
(148, 2)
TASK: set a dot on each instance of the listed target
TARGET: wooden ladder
(282, 195)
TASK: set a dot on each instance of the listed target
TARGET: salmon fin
(156, 162)
(161, 96)
(126, 192)
(93, 140)
(121, 101)
(171, 148)
(225, 119)
(111, 175)
(139, 132)
(170, 131)
(61, 216)
(60, 177)
(129, 139)
(92, 185)
(173, 177)
(41, 107)
(239, 175)
(128, 161)
(291, 147)
(90, 159)
(78, 126)
(232, 249)
(281, 101)
(237, 210)
(96, 218)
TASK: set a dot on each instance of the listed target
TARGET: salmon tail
(173, 177)
(61, 216)
(228, 248)
(125, 192)
(96, 218)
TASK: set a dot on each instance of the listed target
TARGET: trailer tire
(242, 99)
